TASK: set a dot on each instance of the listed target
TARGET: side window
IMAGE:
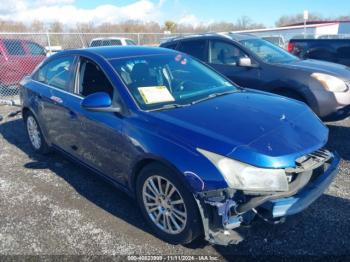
(171, 46)
(14, 47)
(56, 73)
(224, 53)
(113, 42)
(35, 49)
(195, 48)
(92, 79)
(96, 43)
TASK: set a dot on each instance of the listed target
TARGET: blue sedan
(200, 155)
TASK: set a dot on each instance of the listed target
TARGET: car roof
(17, 40)
(115, 52)
(241, 36)
(230, 35)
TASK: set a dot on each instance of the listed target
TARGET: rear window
(196, 48)
(14, 47)
(130, 42)
(56, 73)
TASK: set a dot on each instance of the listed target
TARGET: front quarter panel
(145, 142)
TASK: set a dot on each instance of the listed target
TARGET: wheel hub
(33, 132)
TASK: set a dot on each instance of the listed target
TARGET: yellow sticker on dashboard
(155, 94)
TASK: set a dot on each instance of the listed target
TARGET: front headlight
(242, 176)
(330, 83)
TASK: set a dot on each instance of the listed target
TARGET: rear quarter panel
(29, 95)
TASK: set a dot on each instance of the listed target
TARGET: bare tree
(170, 26)
(298, 18)
(37, 26)
(10, 26)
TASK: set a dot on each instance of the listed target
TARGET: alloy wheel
(164, 204)
(33, 132)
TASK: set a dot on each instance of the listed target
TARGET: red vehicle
(18, 58)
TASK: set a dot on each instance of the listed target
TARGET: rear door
(55, 99)
(197, 48)
(224, 56)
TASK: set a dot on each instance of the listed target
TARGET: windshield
(165, 81)
(267, 51)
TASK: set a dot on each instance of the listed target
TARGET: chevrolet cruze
(201, 156)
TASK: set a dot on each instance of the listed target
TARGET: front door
(100, 138)
(224, 57)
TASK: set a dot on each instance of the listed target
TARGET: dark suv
(255, 63)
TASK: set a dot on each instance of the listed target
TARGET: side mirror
(99, 102)
(245, 62)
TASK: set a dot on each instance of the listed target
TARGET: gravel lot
(49, 205)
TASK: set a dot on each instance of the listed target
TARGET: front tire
(168, 207)
(35, 135)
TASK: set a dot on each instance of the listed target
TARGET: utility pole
(306, 17)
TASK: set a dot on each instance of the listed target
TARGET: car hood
(312, 66)
(261, 129)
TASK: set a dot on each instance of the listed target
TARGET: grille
(311, 161)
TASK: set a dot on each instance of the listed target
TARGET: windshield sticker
(184, 61)
(178, 58)
(155, 94)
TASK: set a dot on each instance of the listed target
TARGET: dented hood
(257, 128)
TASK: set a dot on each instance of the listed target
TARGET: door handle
(56, 99)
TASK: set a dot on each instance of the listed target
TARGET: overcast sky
(191, 12)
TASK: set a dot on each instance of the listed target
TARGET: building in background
(313, 29)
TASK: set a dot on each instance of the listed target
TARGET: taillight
(290, 47)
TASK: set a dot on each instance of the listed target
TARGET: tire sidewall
(193, 224)
(43, 145)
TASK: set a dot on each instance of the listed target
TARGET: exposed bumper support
(218, 223)
(297, 203)
(219, 208)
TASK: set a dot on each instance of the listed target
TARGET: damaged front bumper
(224, 211)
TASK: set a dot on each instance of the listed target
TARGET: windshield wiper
(213, 96)
(170, 106)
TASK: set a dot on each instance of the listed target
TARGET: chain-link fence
(282, 39)
(20, 53)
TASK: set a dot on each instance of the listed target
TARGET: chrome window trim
(58, 89)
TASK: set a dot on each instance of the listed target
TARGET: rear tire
(168, 207)
(35, 135)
